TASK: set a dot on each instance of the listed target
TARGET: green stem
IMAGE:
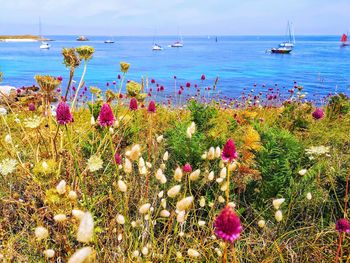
(79, 86)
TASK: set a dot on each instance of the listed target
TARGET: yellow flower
(47, 83)
(124, 67)
(95, 90)
(85, 52)
(70, 58)
(133, 88)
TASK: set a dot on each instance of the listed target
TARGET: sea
(317, 63)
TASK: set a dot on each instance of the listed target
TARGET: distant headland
(22, 38)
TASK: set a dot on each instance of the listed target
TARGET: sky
(171, 17)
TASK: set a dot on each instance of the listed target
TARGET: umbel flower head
(227, 225)
(106, 116)
(133, 88)
(124, 67)
(133, 104)
(70, 58)
(318, 114)
(152, 107)
(342, 225)
(229, 152)
(85, 52)
(63, 114)
(47, 83)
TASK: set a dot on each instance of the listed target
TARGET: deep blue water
(317, 62)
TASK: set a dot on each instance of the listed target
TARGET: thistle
(227, 225)
(63, 114)
(106, 116)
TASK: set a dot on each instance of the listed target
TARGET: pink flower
(203, 77)
(63, 114)
(342, 225)
(187, 168)
(117, 158)
(152, 107)
(59, 78)
(318, 114)
(106, 116)
(153, 81)
(133, 104)
(227, 225)
(31, 107)
(188, 85)
(229, 152)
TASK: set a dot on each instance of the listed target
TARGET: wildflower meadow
(137, 172)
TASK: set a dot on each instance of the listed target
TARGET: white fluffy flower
(223, 172)
(8, 166)
(61, 187)
(173, 191)
(33, 122)
(80, 255)
(92, 121)
(302, 172)
(160, 139)
(86, 228)
(193, 253)
(144, 208)
(308, 196)
(166, 156)
(278, 216)
(195, 175)
(78, 214)
(127, 166)
(135, 152)
(181, 217)
(8, 139)
(277, 203)
(184, 203)
(164, 213)
(94, 163)
(60, 218)
(122, 186)
(41, 233)
(202, 201)
(261, 223)
(217, 152)
(120, 219)
(72, 195)
(49, 253)
(211, 153)
(160, 176)
(201, 223)
(3, 111)
(178, 174)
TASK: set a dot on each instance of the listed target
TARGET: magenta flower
(318, 114)
(106, 116)
(203, 77)
(227, 225)
(31, 107)
(342, 225)
(117, 158)
(63, 114)
(133, 104)
(229, 152)
(152, 107)
(187, 168)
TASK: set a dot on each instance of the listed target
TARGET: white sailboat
(156, 47)
(290, 42)
(178, 43)
(44, 44)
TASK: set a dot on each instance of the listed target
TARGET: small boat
(157, 47)
(344, 40)
(45, 45)
(290, 42)
(82, 38)
(109, 41)
(281, 50)
(177, 44)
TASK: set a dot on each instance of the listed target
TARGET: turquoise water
(317, 62)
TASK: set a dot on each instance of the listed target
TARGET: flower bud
(172, 192)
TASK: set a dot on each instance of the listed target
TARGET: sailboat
(290, 42)
(44, 44)
(344, 40)
(178, 43)
(156, 47)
